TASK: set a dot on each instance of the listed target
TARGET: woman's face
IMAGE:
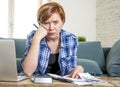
(53, 26)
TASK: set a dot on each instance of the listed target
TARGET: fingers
(75, 71)
(77, 76)
(41, 32)
(74, 75)
(43, 26)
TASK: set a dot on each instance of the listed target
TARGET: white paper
(86, 79)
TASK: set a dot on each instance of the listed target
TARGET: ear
(63, 21)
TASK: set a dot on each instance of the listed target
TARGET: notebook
(8, 64)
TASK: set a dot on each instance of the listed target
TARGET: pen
(35, 26)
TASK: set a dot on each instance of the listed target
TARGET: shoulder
(67, 34)
(30, 36)
(68, 38)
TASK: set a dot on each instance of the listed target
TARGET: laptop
(8, 64)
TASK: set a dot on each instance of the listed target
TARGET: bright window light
(25, 16)
(3, 18)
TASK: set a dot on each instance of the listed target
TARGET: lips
(50, 34)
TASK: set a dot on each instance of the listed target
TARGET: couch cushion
(18, 64)
(90, 66)
(20, 47)
(113, 60)
(92, 51)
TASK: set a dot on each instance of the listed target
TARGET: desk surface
(112, 82)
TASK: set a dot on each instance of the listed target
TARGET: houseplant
(81, 38)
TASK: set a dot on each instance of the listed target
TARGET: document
(85, 79)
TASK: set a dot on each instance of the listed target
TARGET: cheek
(58, 29)
(59, 26)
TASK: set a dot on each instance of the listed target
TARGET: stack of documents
(85, 79)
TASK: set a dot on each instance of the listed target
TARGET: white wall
(108, 22)
(80, 17)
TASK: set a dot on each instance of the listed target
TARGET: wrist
(36, 39)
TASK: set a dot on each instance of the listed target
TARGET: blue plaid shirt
(67, 53)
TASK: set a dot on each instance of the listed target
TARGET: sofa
(95, 59)
(99, 60)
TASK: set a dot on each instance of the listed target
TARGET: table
(112, 82)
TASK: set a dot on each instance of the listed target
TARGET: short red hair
(46, 10)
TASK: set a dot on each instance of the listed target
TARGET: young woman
(50, 49)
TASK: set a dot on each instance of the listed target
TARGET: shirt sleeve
(73, 58)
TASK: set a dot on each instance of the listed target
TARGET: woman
(50, 49)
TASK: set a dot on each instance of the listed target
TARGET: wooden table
(112, 82)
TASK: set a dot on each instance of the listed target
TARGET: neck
(57, 39)
(54, 45)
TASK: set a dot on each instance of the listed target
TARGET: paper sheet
(86, 79)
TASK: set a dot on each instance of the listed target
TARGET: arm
(31, 60)
(75, 69)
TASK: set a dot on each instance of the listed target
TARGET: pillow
(92, 51)
(90, 66)
(20, 47)
(113, 60)
(18, 60)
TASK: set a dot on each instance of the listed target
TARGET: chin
(53, 37)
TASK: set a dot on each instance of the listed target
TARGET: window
(25, 16)
(3, 18)
(17, 17)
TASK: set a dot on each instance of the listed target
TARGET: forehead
(54, 16)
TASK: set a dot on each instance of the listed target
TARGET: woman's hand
(40, 33)
(75, 71)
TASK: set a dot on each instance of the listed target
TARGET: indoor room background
(97, 20)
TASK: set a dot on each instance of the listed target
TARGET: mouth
(51, 34)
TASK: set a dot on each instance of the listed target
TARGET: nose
(51, 26)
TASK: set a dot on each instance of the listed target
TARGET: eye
(46, 23)
(55, 22)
